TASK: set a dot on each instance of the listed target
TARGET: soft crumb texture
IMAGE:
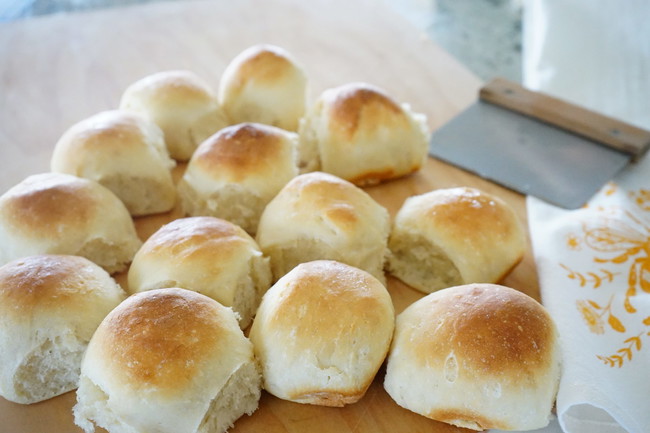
(478, 356)
(142, 196)
(207, 255)
(114, 257)
(167, 360)
(50, 306)
(239, 396)
(181, 103)
(54, 213)
(359, 133)
(322, 332)
(320, 216)
(420, 263)
(125, 153)
(454, 236)
(232, 202)
(235, 173)
(264, 84)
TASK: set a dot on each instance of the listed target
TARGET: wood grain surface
(57, 70)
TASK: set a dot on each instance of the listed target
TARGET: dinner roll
(454, 236)
(359, 133)
(54, 213)
(181, 103)
(322, 332)
(479, 356)
(207, 255)
(50, 306)
(169, 361)
(235, 173)
(264, 84)
(320, 216)
(124, 152)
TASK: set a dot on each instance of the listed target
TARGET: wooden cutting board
(57, 70)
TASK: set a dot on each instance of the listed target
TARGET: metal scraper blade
(526, 155)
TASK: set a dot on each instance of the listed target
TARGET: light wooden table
(57, 70)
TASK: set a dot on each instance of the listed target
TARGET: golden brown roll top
(322, 332)
(454, 236)
(236, 172)
(159, 360)
(479, 356)
(320, 216)
(207, 255)
(138, 344)
(264, 84)
(50, 306)
(124, 152)
(181, 103)
(359, 133)
(54, 213)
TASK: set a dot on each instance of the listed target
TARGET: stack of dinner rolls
(270, 270)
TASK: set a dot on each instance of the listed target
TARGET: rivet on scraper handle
(581, 121)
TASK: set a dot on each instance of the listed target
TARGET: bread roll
(168, 361)
(320, 216)
(478, 356)
(235, 173)
(264, 84)
(53, 213)
(124, 152)
(207, 255)
(50, 306)
(322, 332)
(359, 133)
(181, 103)
(454, 236)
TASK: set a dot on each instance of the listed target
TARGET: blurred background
(595, 53)
(484, 35)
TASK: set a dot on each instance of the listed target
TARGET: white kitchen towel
(594, 270)
(594, 262)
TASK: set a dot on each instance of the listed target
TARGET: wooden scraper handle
(598, 127)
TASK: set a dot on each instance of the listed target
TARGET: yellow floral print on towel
(619, 241)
